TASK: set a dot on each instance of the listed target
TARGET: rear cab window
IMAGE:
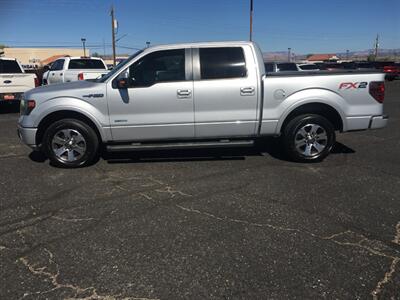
(222, 63)
(9, 66)
(88, 64)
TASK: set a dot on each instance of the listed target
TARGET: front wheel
(70, 143)
(308, 138)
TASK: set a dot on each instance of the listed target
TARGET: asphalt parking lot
(231, 224)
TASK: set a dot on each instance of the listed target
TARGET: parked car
(14, 81)
(199, 95)
(392, 71)
(67, 69)
(280, 66)
(308, 67)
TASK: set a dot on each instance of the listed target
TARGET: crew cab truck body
(68, 69)
(199, 95)
(14, 81)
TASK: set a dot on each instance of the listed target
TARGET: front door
(158, 103)
(56, 72)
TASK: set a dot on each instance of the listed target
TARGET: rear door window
(222, 63)
(9, 66)
(87, 64)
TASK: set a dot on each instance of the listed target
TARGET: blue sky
(307, 26)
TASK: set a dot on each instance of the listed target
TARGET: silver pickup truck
(199, 95)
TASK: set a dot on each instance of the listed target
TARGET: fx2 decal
(352, 85)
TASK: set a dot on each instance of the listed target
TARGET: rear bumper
(377, 122)
(366, 122)
(28, 136)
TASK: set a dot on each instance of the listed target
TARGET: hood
(76, 89)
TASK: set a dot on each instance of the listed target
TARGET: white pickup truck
(199, 95)
(67, 69)
(14, 81)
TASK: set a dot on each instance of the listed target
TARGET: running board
(179, 145)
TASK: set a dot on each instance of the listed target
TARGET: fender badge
(93, 96)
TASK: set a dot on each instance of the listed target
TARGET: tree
(371, 57)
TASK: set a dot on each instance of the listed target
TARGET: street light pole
(113, 34)
(289, 54)
(84, 48)
(251, 20)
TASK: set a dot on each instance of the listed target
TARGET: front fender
(97, 114)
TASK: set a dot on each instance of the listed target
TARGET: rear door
(225, 92)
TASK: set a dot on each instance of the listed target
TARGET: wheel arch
(320, 108)
(65, 114)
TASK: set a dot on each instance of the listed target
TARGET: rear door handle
(247, 91)
(184, 93)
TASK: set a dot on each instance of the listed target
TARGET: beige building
(40, 56)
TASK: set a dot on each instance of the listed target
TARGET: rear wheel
(308, 138)
(70, 143)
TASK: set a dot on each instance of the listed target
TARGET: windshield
(120, 66)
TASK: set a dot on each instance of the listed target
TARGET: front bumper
(28, 136)
(377, 122)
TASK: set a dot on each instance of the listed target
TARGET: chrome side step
(179, 145)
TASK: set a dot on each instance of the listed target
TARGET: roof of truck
(7, 58)
(201, 44)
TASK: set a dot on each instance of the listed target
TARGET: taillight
(27, 106)
(377, 90)
(80, 76)
(36, 81)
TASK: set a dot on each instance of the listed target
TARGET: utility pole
(376, 46)
(347, 54)
(251, 20)
(113, 34)
(83, 40)
(289, 54)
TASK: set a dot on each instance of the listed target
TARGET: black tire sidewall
(294, 125)
(87, 132)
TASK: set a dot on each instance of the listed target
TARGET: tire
(70, 143)
(308, 138)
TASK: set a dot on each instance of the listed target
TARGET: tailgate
(16, 83)
(93, 74)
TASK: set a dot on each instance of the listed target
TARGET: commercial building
(40, 56)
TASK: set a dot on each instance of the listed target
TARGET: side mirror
(122, 83)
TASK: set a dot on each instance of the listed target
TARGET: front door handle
(184, 93)
(247, 91)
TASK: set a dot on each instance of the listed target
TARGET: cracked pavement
(220, 224)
